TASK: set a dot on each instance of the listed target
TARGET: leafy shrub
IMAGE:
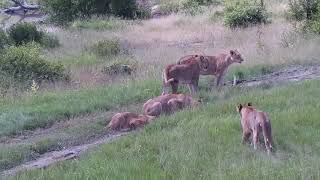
(49, 41)
(143, 12)
(63, 11)
(169, 7)
(190, 7)
(244, 14)
(303, 9)
(315, 26)
(124, 8)
(122, 67)
(106, 47)
(25, 32)
(24, 63)
(4, 39)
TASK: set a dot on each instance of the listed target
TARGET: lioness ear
(232, 52)
(239, 107)
(249, 104)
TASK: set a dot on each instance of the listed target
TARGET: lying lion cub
(128, 120)
(253, 121)
(168, 103)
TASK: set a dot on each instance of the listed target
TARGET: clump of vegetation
(307, 12)
(65, 11)
(25, 32)
(124, 8)
(123, 67)
(4, 39)
(25, 63)
(244, 14)
(303, 9)
(106, 48)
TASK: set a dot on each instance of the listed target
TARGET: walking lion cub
(253, 122)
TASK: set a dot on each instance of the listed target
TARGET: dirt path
(56, 156)
(292, 74)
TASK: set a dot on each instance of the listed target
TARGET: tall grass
(204, 143)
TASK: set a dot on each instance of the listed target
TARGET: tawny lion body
(187, 73)
(128, 120)
(218, 65)
(168, 103)
(253, 122)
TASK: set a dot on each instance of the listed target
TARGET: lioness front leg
(220, 79)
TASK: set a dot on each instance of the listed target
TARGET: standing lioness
(253, 122)
(218, 65)
(187, 73)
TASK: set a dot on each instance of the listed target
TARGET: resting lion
(168, 103)
(128, 120)
(218, 65)
(253, 122)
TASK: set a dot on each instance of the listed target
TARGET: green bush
(244, 14)
(169, 7)
(106, 47)
(64, 11)
(124, 8)
(24, 63)
(191, 7)
(303, 9)
(4, 39)
(25, 32)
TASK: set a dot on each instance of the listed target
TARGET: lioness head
(240, 106)
(236, 56)
(204, 63)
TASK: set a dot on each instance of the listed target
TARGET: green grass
(204, 143)
(101, 24)
(15, 154)
(43, 109)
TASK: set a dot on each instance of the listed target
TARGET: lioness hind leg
(255, 138)
(245, 136)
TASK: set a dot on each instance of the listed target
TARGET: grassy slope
(204, 143)
(43, 109)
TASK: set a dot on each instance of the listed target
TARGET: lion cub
(187, 73)
(128, 120)
(168, 103)
(253, 122)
